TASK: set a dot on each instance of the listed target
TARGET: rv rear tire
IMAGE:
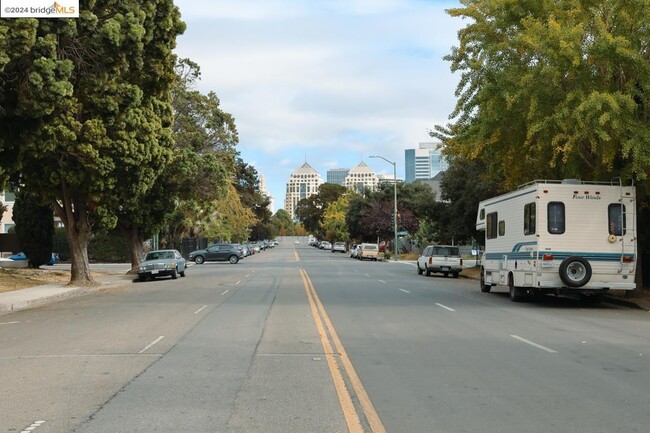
(516, 293)
(485, 288)
(575, 271)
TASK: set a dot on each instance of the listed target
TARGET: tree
(231, 221)
(282, 223)
(378, 221)
(196, 179)
(34, 227)
(552, 89)
(334, 225)
(357, 207)
(248, 188)
(310, 210)
(463, 186)
(91, 118)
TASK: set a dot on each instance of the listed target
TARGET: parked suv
(440, 258)
(218, 253)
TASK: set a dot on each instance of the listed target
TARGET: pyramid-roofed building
(303, 183)
(360, 178)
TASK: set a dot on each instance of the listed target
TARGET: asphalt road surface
(301, 340)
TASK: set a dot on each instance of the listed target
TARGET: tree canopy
(552, 89)
(86, 111)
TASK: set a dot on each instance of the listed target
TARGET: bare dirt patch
(22, 278)
(15, 279)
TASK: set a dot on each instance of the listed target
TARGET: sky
(329, 82)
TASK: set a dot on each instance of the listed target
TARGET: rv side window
(556, 219)
(615, 213)
(502, 228)
(482, 214)
(491, 225)
(529, 219)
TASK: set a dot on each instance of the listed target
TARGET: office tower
(361, 177)
(337, 175)
(302, 183)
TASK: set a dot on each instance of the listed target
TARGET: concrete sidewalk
(41, 295)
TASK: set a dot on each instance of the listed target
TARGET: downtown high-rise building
(360, 178)
(423, 163)
(303, 183)
(337, 175)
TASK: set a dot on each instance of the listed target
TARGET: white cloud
(333, 80)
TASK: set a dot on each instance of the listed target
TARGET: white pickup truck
(444, 259)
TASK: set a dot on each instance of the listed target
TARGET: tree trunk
(136, 247)
(74, 213)
(80, 269)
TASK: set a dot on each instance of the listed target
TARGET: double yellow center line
(339, 364)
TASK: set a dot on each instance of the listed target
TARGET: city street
(297, 340)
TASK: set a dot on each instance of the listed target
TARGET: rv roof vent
(572, 181)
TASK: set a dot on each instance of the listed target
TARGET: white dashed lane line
(33, 427)
(150, 345)
(445, 307)
(539, 346)
(405, 291)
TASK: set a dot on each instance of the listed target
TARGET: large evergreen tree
(87, 109)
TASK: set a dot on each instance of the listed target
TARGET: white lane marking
(405, 291)
(237, 283)
(445, 307)
(77, 356)
(539, 346)
(33, 427)
(368, 276)
(201, 309)
(150, 345)
(9, 323)
(382, 281)
(225, 292)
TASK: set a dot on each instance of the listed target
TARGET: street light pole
(394, 199)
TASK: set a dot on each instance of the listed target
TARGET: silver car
(161, 263)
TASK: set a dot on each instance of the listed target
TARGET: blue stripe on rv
(559, 255)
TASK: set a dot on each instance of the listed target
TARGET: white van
(560, 237)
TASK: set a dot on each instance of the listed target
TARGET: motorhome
(560, 237)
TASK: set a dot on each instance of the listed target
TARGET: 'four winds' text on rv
(586, 197)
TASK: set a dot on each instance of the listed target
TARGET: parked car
(218, 253)
(338, 247)
(161, 263)
(325, 245)
(368, 251)
(440, 258)
(19, 256)
(22, 256)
